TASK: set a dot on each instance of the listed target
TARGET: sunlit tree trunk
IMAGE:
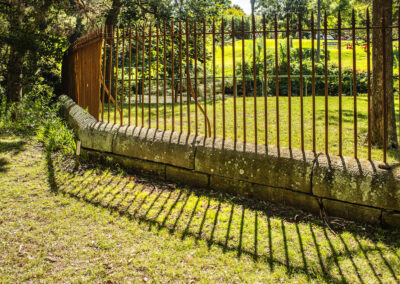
(380, 74)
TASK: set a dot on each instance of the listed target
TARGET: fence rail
(243, 79)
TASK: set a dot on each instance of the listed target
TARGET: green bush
(36, 116)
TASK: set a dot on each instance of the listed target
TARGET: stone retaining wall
(345, 187)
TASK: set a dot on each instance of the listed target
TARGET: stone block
(155, 170)
(357, 181)
(270, 166)
(286, 197)
(230, 185)
(183, 176)
(391, 219)
(165, 147)
(352, 211)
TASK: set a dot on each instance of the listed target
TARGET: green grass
(347, 54)
(101, 224)
(333, 118)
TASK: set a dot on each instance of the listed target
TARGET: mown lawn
(101, 224)
(347, 54)
(250, 118)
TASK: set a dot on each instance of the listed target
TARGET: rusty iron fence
(250, 80)
(81, 76)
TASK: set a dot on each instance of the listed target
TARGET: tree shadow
(223, 221)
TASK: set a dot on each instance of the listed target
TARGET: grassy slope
(99, 224)
(333, 117)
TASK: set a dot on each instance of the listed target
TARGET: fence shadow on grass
(267, 233)
(12, 148)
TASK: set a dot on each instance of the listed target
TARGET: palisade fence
(251, 80)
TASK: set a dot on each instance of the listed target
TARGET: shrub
(36, 116)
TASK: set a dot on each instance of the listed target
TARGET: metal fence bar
(136, 76)
(326, 83)
(213, 70)
(289, 80)
(234, 82)
(223, 76)
(122, 76)
(353, 20)
(255, 79)
(149, 76)
(369, 82)
(276, 80)
(165, 75)
(385, 114)
(116, 78)
(187, 75)
(340, 83)
(313, 80)
(180, 80)
(130, 76)
(143, 70)
(243, 82)
(265, 84)
(301, 83)
(157, 75)
(195, 78)
(205, 76)
(104, 72)
(172, 75)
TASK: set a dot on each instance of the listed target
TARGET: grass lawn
(333, 118)
(347, 54)
(101, 224)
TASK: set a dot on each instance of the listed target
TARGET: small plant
(55, 135)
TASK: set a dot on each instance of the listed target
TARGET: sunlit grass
(101, 224)
(255, 121)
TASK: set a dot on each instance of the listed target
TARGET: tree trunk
(14, 77)
(112, 15)
(380, 74)
(15, 58)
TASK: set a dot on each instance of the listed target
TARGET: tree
(34, 40)
(282, 8)
(383, 74)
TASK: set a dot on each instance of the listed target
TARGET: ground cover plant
(102, 224)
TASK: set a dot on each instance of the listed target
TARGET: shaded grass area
(247, 121)
(100, 223)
